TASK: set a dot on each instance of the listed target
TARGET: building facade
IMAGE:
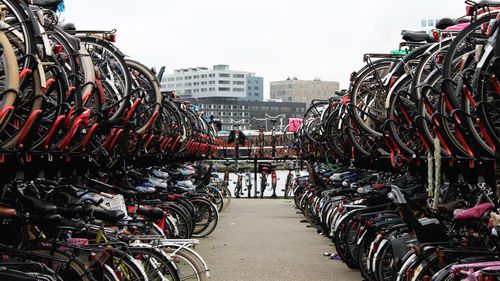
(294, 90)
(428, 24)
(249, 115)
(220, 81)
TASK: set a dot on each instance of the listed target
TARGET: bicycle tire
(379, 69)
(80, 271)
(11, 78)
(150, 103)
(192, 269)
(115, 91)
(156, 265)
(204, 208)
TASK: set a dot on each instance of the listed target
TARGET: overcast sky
(273, 38)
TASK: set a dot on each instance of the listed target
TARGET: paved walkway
(263, 240)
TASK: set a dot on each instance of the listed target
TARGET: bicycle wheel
(9, 80)
(488, 101)
(189, 267)
(206, 217)
(226, 196)
(363, 252)
(28, 101)
(367, 96)
(463, 43)
(145, 87)
(114, 77)
(384, 261)
(73, 269)
(216, 197)
(52, 101)
(184, 222)
(128, 268)
(157, 265)
(401, 115)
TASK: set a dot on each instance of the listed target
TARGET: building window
(224, 89)
(238, 89)
(178, 85)
(249, 87)
(256, 94)
(223, 75)
(238, 83)
(238, 75)
(211, 82)
(187, 84)
(203, 82)
(256, 87)
(187, 92)
(424, 23)
(196, 90)
(203, 76)
(196, 83)
(275, 108)
(203, 89)
(211, 75)
(187, 77)
(196, 76)
(224, 82)
(171, 79)
(170, 85)
(178, 78)
(254, 108)
(430, 23)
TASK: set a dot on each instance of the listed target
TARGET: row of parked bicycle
(409, 189)
(92, 188)
(382, 224)
(439, 92)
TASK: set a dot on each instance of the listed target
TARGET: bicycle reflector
(436, 34)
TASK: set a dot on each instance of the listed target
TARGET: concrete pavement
(264, 240)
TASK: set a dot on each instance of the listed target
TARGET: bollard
(255, 176)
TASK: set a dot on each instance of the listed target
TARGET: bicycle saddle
(474, 213)
(39, 207)
(153, 214)
(70, 212)
(68, 26)
(445, 22)
(416, 36)
(109, 216)
(451, 206)
(48, 4)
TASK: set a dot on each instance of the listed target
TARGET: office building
(295, 90)
(220, 81)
